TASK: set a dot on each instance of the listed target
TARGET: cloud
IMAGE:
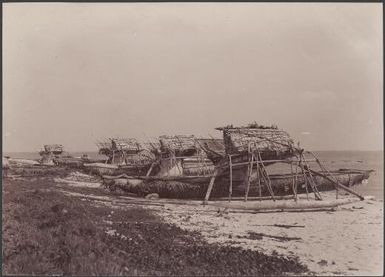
(305, 133)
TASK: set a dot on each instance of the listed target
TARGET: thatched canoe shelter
(270, 142)
(178, 145)
(126, 145)
(50, 152)
(55, 149)
(181, 155)
(125, 151)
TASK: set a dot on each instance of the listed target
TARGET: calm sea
(331, 160)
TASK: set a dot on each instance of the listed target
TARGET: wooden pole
(284, 197)
(211, 184)
(259, 182)
(337, 183)
(282, 205)
(325, 171)
(337, 192)
(264, 161)
(231, 178)
(265, 176)
(249, 177)
(313, 184)
(248, 170)
(294, 181)
(304, 176)
(149, 171)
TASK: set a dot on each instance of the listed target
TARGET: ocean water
(332, 160)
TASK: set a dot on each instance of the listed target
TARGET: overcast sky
(73, 73)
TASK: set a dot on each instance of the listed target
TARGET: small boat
(21, 162)
(69, 161)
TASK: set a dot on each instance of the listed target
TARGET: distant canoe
(72, 162)
(16, 161)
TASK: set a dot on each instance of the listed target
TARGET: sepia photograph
(192, 139)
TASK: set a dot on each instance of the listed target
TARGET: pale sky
(76, 72)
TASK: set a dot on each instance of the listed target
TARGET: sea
(332, 160)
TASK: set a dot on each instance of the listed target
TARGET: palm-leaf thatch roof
(259, 138)
(212, 144)
(178, 144)
(126, 145)
(53, 148)
(152, 146)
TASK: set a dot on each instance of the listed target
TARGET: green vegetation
(46, 233)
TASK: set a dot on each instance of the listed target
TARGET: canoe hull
(112, 170)
(283, 184)
(196, 186)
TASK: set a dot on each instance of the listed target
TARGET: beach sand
(348, 241)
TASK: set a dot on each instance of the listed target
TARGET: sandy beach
(348, 241)
(343, 241)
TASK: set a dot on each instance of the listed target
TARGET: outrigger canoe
(196, 186)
